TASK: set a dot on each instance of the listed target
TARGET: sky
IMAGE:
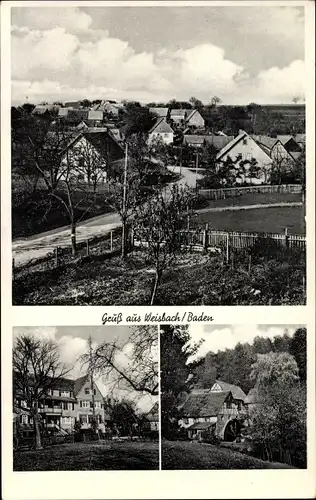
(221, 337)
(72, 343)
(240, 54)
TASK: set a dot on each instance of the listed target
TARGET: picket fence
(212, 240)
(223, 193)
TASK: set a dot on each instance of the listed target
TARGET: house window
(24, 419)
(70, 406)
(94, 392)
(65, 393)
(83, 419)
(64, 405)
(87, 390)
(244, 141)
(97, 404)
(249, 156)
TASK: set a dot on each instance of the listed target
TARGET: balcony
(47, 410)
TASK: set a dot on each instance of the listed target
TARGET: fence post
(87, 248)
(111, 241)
(287, 242)
(227, 247)
(205, 237)
(56, 257)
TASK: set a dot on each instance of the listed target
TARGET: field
(90, 456)
(186, 455)
(262, 220)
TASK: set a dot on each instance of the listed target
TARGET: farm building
(211, 411)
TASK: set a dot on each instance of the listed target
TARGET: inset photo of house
(233, 396)
(85, 398)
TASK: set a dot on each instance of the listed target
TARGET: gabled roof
(266, 141)
(161, 126)
(285, 138)
(153, 414)
(79, 382)
(204, 403)
(231, 144)
(236, 391)
(161, 112)
(191, 112)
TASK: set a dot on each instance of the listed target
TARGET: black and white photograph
(233, 397)
(158, 155)
(85, 398)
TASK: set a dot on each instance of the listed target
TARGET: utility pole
(196, 168)
(124, 204)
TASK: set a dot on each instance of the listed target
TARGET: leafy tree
(278, 420)
(36, 369)
(158, 224)
(85, 103)
(137, 119)
(298, 348)
(124, 415)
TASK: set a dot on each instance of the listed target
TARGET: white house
(247, 149)
(161, 131)
(194, 119)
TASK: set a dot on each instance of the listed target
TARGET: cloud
(48, 18)
(53, 58)
(226, 337)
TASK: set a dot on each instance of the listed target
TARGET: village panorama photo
(233, 397)
(158, 170)
(85, 398)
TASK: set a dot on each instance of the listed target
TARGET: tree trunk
(73, 238)
(155, 287)
(38, 438)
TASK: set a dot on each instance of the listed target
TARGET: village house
(275, 149)
(161, 131)
(108, 107)
(69, 401)
(210, 411)
(187, 118)
(88, 155)
(198, 141)
(45, 110)
(246, 149)
(152, 418)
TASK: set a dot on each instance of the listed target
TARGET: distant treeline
(234, 365)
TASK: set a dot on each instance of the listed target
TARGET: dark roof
(162, 112)
(201, 425)
(79, 382)
(162, 125)
(266, 141)
(218, 141)
(193, 139)
(204, 403)
(236, 391)
(105, 143)
(77, 115)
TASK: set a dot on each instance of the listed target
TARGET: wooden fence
(220, 194)
(212, 240)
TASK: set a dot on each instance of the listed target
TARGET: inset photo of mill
(85, 398)
(233, 397)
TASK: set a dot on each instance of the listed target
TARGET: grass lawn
(187, 455)
(196, 279)
(90, 456)
(261, 220)
(255, 199)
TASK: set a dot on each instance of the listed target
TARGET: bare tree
(158, 225)
(132, 182)
(215, 100)
(36, 369)
(67, 164)
(138, 371)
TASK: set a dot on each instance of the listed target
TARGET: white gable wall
(249, 149)
(196, 120)
(83, 151)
